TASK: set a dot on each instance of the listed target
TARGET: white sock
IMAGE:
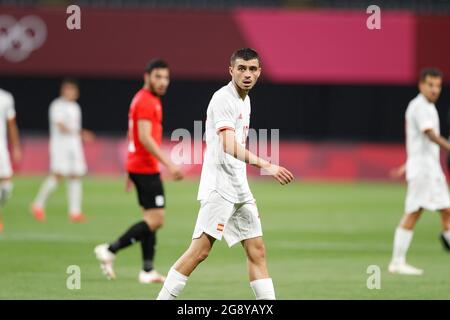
(402, 240)
(47, 187)
(74, 193)
(6, 188)
(447, 235)
(173, 285)
(263, 289)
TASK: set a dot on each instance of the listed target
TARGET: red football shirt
(145, 106)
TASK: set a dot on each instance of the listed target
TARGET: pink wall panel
(330, 46)
(297, 46)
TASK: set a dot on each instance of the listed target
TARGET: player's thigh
(150, 190)
(150, 194)
(6, 171)
(78, 163)
(213, 216)
(245, 223)
(60, 162)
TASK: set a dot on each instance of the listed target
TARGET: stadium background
(336, 90)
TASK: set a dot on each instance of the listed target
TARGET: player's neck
(241, 92)
(426, 98)
(149, 89)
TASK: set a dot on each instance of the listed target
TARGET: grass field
(320, 238)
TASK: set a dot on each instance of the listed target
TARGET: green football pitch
(320, 239)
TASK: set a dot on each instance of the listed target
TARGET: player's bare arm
(398, 172)
(230, 146)
(144, 127)
(87, 135)
(13, 132)
(63, 128)
(442, 142)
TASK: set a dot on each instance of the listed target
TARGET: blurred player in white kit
(66, 152)
(427, 186)
(8, 126)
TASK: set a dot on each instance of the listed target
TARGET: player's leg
(211, 222)
(402, 240)
(6, 184)
(445, 235)
(46, 189)
(178, 275)
(143, 231)
(106, 253)
(77, 169)
(260, 282)
(74, 198)
(244, 226)
(6, 187)
(154, 218)
(59, 168)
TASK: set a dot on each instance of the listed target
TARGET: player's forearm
(443, 143)
(239, 152)
(151, 146)
(439, 140)
(63, 128)
(14, 135)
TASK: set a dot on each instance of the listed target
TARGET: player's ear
(230, 68)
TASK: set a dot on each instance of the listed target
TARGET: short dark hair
(245, 54)
(69, 80)
(430, 72)
(156, 64)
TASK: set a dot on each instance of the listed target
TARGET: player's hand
(87, 135)
(16, 155)
(128, 185)
(282, 175)
(397, 173)
(176, 172)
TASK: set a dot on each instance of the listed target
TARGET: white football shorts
(426, 192)
(67, 161)
(219, 217)
(5, 164)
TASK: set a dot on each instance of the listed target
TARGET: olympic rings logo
(18, 39)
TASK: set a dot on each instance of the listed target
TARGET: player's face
(70, 92)
(431, 88)
(158, 81)
(245, 73)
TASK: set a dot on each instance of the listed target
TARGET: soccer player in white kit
(7, 126)
(227, 206)
(66, 152)
(427, 185)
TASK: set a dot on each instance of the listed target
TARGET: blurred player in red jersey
(144, 154)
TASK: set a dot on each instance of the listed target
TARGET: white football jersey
(69, 114)
(222, 172)
(423, 156)
(7, 112)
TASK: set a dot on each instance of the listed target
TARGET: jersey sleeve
(145, 110)
(10, 110)
(423, 118)
(56, 113)
(224, 113)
